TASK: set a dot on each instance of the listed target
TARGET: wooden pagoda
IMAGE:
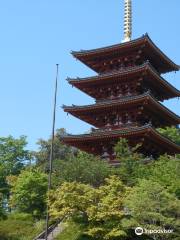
(128, 91)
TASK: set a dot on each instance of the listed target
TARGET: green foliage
(131, 162)
(166, 172)
(19, 227)
(3, 190)
(2, 211)
(73, 231)
(3, 182)
(172, 133)
(107, 212)
(70, 200)
(134, 194)
(151, 206)
(84, 168)
(101, 208)
(13, 154)
(29, 192)
(60, 151)
(111, 210)
(133, 166)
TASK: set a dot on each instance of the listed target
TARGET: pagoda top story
(141, 49)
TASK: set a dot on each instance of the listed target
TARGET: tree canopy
(101, 208)
(152, 207)
(109, 202)
(83, 168)
(60, 151)
(28, 192)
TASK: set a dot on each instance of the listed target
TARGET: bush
(84, 168)
(19, 227)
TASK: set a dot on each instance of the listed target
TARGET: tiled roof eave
(129, 130)
(111, 74)
(145, 38)
(103, 49)
(127, 100)
(143, 67)
(165, 57)
(147, 129)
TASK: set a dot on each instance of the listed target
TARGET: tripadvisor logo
(139, 231)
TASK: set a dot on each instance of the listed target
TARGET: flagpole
(52, 148)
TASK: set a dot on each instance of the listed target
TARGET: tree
(172, 133)
(13, 154)
(100, 208)
(71, 199)
(2, 212)
(166, 172)
(4, 188)
(61, 151)
(83, 168)
(29, 192)
(152, 207)
(13, 157)
(107, 212)
(131, 162)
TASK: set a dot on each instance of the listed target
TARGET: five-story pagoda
(128, 91)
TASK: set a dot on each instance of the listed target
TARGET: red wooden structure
(128, 91)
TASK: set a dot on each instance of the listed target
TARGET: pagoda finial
(127, 20)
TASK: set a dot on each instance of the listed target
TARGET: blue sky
(37, 34)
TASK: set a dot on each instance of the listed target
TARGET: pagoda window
(120, 120)
(129, 91)
(112, 120)
(115, 92)
(122, 65)
(119, 93)
(105, 153)
(129, 119)
(111, 95)
(124, 119)
(116, 122)
(125, 64)
(123, 90)
(100, 90)
(134, 117)
(108, 93)
(108, 123)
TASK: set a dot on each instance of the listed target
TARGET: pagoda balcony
(116, 127)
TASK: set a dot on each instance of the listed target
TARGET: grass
(19, 227)
(73, 231)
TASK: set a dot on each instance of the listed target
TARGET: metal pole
(51, 152)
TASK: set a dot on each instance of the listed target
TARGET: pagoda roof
(159, 60)
(87, 112)
(125, 75)
(86, 141)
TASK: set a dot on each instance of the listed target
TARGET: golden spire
(127, 20)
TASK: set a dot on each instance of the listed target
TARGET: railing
(113, 127)
(50, 229)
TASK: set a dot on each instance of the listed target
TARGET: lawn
(19, 227)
